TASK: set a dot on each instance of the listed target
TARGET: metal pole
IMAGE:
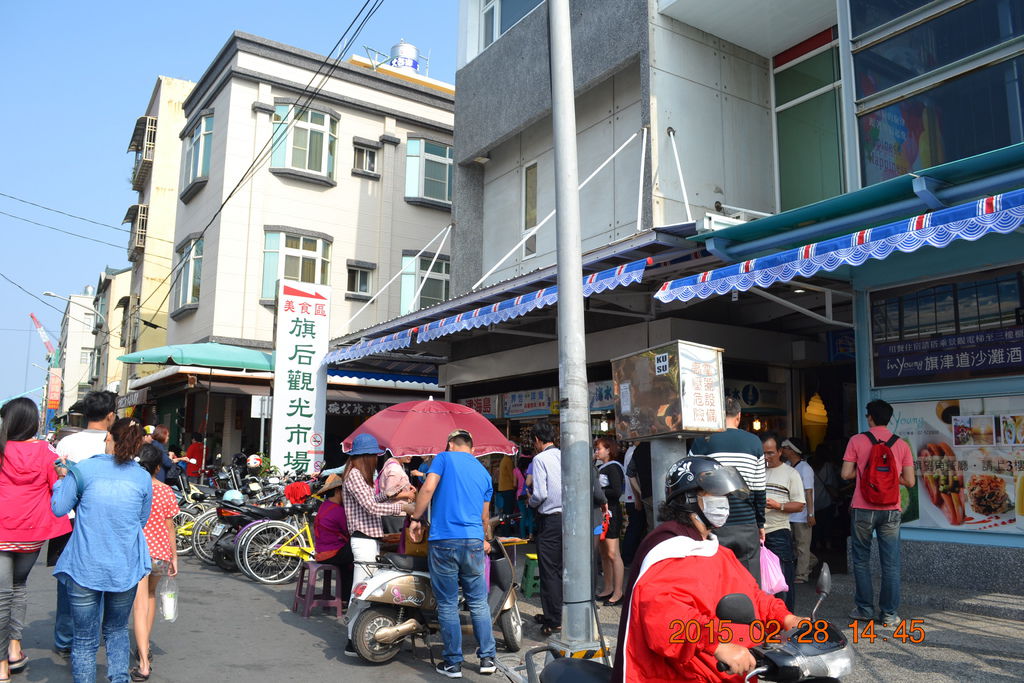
(263, 419)
(574, 413)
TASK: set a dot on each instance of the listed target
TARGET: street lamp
(71, 301)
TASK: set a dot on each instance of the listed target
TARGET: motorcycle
(803, 654)
(231, 520)
(397, 602)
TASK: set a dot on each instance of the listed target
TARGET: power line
(46, 303)
(64, 213)
(277, 136)
(71, 215)
(74, 234)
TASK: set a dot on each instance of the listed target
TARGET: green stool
(531, 576)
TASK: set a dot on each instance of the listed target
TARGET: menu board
(969, 459)
(675, 388)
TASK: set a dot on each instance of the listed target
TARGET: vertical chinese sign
(300, 383)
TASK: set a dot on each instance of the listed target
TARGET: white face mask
(716, 509)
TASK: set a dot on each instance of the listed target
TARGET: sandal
(135, 674)
(547, 630)
(17, 665)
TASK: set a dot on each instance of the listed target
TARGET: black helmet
(697, 473)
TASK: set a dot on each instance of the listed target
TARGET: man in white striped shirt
(744, 530)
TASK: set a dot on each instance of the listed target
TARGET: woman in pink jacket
(27, 477)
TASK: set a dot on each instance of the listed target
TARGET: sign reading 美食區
(300, 383)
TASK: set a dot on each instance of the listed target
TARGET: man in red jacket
(668, 630)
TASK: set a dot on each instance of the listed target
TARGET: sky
(77, 75)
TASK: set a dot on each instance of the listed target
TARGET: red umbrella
(422, 428)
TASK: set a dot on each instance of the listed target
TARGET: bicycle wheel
(184, 522)
(260, 555)
(240, 543)
(202, 540)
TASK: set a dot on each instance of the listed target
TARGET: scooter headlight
(835, 664)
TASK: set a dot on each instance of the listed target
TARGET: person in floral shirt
(160, 535)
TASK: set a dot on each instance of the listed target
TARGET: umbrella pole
(206, 420)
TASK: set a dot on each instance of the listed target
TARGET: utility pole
(574, 412)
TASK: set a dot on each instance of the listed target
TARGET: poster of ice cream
(969, 460)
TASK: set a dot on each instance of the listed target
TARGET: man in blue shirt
(458, 491)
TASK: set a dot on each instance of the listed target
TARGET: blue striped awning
(502, 311)
(1002, 213)
(392, 342)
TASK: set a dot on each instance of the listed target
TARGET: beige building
(155, 177)
(111, 302)
(75, 348)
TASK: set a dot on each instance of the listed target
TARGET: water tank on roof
(405, 57)
(89, 290)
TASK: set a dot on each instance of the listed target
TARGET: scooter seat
(564, 670)
(407, 563)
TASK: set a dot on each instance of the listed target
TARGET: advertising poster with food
(969, 458)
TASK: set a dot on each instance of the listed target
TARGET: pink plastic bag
(772, 579)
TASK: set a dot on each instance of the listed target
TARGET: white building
(111, 302)
(357, 183)
(76, 349)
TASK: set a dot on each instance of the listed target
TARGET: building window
(530, 208)
(808, 127)
(432, 282)
(85, 357)
(935, 92)
(365, 159)
(197, 150)
(359, 281)
(310, 142)
(294, 257)
(428, 170)
(498, 16)
(190, 273)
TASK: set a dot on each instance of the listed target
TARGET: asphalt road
(231, 629)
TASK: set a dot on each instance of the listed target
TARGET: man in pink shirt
(882, 520)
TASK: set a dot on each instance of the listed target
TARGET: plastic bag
(772, 579)
(167, 598)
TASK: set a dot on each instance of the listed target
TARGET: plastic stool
(305, 589)
(531, 576)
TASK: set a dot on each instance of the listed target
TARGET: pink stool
(305, 589)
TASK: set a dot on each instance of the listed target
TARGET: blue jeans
(85, 611)
(526, 522)
(781, 543)
(63, 625)
(885, 524)
(455, 561)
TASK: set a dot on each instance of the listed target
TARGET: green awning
(207, 355)
(873, 196)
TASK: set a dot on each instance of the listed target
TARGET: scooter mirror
(824, 585)
(737, 608)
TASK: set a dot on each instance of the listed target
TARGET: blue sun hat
(365, 444)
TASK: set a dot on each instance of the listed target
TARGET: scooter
(800, 656)
(397, 602)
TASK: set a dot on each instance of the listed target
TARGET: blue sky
(77, 75)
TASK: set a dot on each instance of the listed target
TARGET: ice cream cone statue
(815, 422)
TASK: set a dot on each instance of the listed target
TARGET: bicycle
(184, 523)
(272, 551)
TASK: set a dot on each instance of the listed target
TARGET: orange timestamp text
(768, 631)
(905, 631)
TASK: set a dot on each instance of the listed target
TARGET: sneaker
(63, 652)
(487, 665)
(857, 615)
(350, 650)
(451, 670)
(890, 620)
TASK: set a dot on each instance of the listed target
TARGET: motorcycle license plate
(218, 529)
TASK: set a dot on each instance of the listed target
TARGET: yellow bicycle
(271, 551)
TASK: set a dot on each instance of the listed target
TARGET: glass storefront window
(937, 43)
(868, 14)
(807, 76)
(975, 113)
(810, 151)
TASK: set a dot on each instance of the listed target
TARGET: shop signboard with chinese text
(488, 406)
(53, 388)
(300, 383)
(354, 408)
(602, 396)
(676, 388)
(533, 403)
(950, 357)
(969, 461)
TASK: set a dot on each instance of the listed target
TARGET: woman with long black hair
(107, 555)
(27, 479)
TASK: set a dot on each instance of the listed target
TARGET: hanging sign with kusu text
(300, 383)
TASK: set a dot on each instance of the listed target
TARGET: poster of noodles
(969, 459)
